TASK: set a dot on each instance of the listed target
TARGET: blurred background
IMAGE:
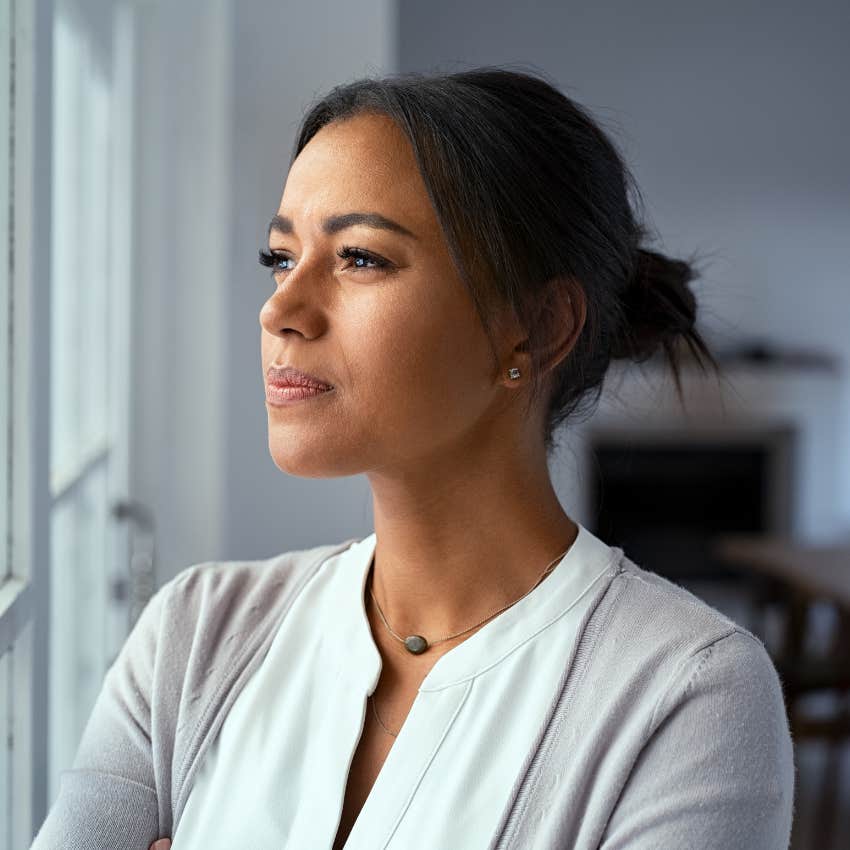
(143, 149)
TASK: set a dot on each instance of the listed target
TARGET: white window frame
(24, 592)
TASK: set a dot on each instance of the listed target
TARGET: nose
(296, 304)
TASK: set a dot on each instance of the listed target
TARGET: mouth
(289, 377)
(281, 395)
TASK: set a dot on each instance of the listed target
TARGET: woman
(456, 261)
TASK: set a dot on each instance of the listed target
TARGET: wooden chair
(792, 579)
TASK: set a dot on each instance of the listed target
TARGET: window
(89, 361)
(20, 689)
(66, 69)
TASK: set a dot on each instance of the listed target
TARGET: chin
(313, 458)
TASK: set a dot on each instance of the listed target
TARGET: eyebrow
(335, 223)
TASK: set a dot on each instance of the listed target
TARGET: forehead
(365, 161)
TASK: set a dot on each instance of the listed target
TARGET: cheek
(422, 366)
(265, 340)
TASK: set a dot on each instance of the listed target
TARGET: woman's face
(411, 367)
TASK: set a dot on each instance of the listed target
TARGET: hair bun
(658, 306)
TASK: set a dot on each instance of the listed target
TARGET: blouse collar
(575, 574)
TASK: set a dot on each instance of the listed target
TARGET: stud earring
(513, 372)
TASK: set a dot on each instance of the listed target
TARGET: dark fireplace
(664, 497)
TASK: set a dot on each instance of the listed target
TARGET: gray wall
(221, 87)
(179, 255)
(284, 55)
(734, 117)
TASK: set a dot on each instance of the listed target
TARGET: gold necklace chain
(428, 644)
(375, 712)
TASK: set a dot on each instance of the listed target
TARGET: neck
(458, 543)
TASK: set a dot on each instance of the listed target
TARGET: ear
(560, 317)
(563, 314)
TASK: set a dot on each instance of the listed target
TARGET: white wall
(180, 259)
(734, 117)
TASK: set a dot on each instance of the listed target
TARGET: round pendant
(416, 644)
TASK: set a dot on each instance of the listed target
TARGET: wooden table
(797, 575)
(819, 571)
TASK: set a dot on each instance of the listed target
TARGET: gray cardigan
(668, 729)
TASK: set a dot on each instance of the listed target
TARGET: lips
(289, 376)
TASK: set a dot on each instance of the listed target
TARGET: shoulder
(202, 628)
(663, 644)
(662, 619)
(213, 614)
(710, 747)
(237, 589)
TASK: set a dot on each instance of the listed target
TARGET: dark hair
(534, 201)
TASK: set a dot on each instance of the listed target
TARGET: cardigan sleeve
(107, 800)
(717, 770)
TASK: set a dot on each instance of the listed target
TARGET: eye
(271, 259)
(347, 252)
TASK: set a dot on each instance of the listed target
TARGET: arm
(717, 771)
(108, 799)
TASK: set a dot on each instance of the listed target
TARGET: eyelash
(269, 258)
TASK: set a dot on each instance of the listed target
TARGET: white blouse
(276, 775)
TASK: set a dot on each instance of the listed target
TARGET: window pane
(66, 251)
(79, 649)
(80, 249)
(5, 281)
(88, 548)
